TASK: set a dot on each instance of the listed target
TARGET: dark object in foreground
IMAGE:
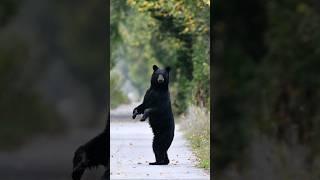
(91, 154)
(156, 106)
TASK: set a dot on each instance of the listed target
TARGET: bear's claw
(135, 112)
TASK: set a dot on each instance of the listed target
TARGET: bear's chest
(159, 98)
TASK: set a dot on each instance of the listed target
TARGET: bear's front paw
(135, 112)
(143, 119)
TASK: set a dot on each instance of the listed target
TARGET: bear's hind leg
(166, 158)
(161, 158)
(155, 150)
(159, 153)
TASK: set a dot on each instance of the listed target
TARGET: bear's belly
(160, 124)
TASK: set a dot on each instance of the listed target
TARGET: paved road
(131, 151)
(47, 158)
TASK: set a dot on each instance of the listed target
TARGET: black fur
(92, 154)
(156, 106)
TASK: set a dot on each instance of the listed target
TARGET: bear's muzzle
(160, 78)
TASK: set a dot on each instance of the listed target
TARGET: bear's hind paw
(159, 163)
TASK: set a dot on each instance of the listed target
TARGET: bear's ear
(168, 68)
(155, 67)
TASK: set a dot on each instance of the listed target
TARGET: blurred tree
(267, 79)
(237, 56)
(8, 8)
(177, 28)
(81, 32)
(30, 42)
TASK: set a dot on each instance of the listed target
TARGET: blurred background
(166, 33)
(266, 88)
(53, 84)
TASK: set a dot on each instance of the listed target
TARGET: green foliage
(168, 38)
(131, 46)
(268, 82)
(201, 73)
(116, 95)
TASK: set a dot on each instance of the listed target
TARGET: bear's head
(160, 77)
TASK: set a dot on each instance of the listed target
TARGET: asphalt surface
(131, 152)
(47, 158)
(50, 157)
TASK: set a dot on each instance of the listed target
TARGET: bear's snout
(160, 78)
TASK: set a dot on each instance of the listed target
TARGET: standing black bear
(157, 106)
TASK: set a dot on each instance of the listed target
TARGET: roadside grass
(196, 126)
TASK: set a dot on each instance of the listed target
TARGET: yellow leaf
(207, 2)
